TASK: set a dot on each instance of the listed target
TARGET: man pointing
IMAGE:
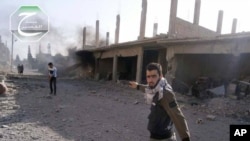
(164, 108)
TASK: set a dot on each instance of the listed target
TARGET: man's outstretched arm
(135, 85)
(170, 105)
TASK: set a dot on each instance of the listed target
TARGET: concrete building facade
(187, 51)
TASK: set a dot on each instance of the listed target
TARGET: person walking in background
(21, 69)
(165, 112)
(52, 78)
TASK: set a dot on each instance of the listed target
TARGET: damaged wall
(216, 66)
(104, 68)
(126, 65)
(126, 68)
(222, 60)
(229, 46)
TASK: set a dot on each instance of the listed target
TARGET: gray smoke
(76, 63)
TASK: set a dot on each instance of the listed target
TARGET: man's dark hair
(154, 66)
(50, 64)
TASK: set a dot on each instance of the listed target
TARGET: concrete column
(197, 12)
(143, 19)
(107, 38)
(97, 33)
(0, 39)
(162, 60)
(96, 69)
(139, 65)
(234, 26)
(172, 17)
(114, 74)
(117, 30)
(84, 37)
(219, 22)
(155, 29)
(49, 48)
(40, 48)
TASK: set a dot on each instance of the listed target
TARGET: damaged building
(188, 51)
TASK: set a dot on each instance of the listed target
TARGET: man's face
(50, 66)
(152, 77)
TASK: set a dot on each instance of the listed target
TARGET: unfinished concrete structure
(186, 52)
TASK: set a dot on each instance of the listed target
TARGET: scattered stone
(49, 97)
(199, 121)
(4, 126)
(203, 105)
(61, 107)
(34, 137)
(211, 117)
(15, 107)
(93, 91)
(26, 132)
(136, 102)
(71, 119)
(194, 104)
(1, 135)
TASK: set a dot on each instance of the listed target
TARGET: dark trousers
(52, 84)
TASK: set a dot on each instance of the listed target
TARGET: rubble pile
(226, 107)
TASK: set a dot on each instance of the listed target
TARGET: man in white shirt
(52, 78)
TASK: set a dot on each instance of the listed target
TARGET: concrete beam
(197, 12)
(143, 19)
(114, 74)
(234, 26)
(117, 30)
(172, 17)
(219, 22)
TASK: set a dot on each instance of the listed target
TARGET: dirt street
(87, 110)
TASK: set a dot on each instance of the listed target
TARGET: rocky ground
(87, 110)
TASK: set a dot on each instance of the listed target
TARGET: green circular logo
(29, 23)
